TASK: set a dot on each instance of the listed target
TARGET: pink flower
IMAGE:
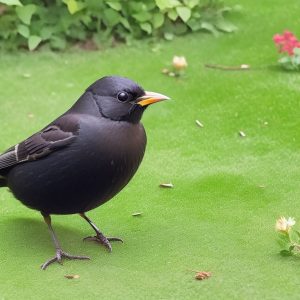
(278, 39)
(286, 42)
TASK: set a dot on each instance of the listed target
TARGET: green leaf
(135, 6)
(46, 32)
(125, 23)
(74, 6)
(163, 4)
(237, 8)
(57, 43)
(210, 27)
(142, 16)
(195, 15)
(296, 51)
(191, 3)
(285, 253)
(224, 25)
(172, 14)
(184, 13)
(158, 20)
(296, 64)
(288, 63)
(146, 27)
(284, 236)
(284, 240)
(11, 2)
(285, 60)
(23, 30)
(112, 17)
(168, 36)
(25, 13)
(114, 5)
(195, 25)
(150, 5)
(33, 42)
(293, 235)
(291, 248)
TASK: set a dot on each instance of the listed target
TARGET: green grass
(216, 218)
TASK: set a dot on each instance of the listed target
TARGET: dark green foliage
(57, 23)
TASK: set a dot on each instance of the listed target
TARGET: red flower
(286, 42)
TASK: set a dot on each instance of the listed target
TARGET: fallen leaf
(199, 124)
(166, 185)
(244, 66)
(202, 275)
(136, 214)
(242, 134)
(72, 276)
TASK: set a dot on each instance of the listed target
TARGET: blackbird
(83, 158)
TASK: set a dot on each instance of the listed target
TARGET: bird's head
(121, 99)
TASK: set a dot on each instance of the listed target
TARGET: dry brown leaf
(76, 276)
(202, 275)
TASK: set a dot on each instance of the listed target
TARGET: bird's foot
(58, 257)
(102, 239)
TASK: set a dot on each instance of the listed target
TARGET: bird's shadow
(33, 235)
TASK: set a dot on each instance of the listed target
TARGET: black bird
(83, 158)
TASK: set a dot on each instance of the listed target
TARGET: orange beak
(150, 98)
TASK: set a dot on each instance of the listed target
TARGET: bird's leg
(99, 237)
(59, 252)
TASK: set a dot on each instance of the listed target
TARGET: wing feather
(7, 159)
(55, 136)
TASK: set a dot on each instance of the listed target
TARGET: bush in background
(30, 23)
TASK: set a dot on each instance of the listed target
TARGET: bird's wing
(55, 136)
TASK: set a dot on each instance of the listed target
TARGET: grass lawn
(217, 218)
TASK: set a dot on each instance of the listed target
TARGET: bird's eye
(123, 96)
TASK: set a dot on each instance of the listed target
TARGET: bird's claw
(105, 241)
(58, 258)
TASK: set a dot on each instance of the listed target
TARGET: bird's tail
(2, 181)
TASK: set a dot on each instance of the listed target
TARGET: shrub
(28, 23)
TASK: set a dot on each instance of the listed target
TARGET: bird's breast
(113, 152)
(111, 142)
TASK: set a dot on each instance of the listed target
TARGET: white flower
(284, 225)
(179, 62)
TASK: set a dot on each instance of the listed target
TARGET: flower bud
(179, 62)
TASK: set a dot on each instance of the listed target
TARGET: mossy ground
(217, 217)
